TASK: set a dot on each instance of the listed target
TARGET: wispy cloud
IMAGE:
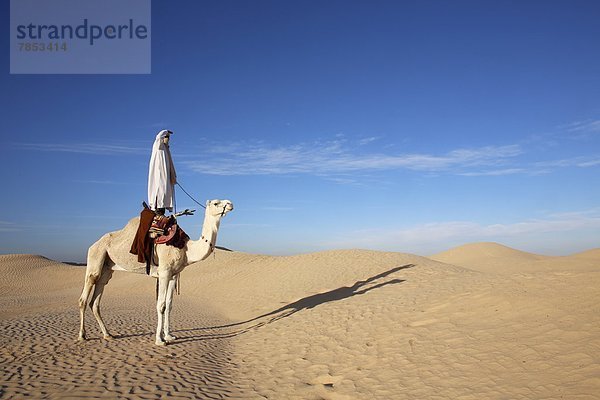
(340, 157)
(6, 226)
(85, 148)
(496, 172)
(586, 127)
(345, 161)
(368, 140)
(102, 182)
(590, 163)
(438, 236)
(581, 162)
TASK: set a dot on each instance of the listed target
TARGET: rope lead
(194, 200)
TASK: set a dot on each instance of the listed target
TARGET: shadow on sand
(306, 303)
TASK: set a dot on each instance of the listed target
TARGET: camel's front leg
(161, 305)
(170, 292)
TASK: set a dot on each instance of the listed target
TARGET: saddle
(164, 229)
(156, 229)
(160, 225)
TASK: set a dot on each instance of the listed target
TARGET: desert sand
(482, 321)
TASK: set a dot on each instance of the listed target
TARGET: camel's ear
(207, 203)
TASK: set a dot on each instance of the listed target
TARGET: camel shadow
(306, 303)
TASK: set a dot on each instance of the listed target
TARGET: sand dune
(496, 258)
(488, 257)
(486, 251)
(263, 283)
(348, 324)
(593, 254)
(26, 281)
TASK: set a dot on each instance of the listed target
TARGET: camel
(111, 253)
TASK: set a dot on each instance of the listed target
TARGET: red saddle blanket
(156, 229)
(166, 231)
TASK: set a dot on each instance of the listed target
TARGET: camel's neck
(198, 250)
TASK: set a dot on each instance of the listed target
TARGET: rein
(190, 196)
(196, 201)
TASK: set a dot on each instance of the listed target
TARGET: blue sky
(410, 126)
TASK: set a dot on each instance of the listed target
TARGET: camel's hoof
(108, 337)
(170, 338)
(81, 339)
(160, 343)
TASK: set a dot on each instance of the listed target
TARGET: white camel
(111, 253)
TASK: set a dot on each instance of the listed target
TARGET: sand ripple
(40, 358)
(336, 325)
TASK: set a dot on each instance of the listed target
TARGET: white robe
(161, 175)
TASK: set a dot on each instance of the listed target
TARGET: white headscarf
(161, 175)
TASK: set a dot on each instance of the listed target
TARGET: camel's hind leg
(95, 264)
(97, 296)
(87, 288)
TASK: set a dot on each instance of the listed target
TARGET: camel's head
(218, 208)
